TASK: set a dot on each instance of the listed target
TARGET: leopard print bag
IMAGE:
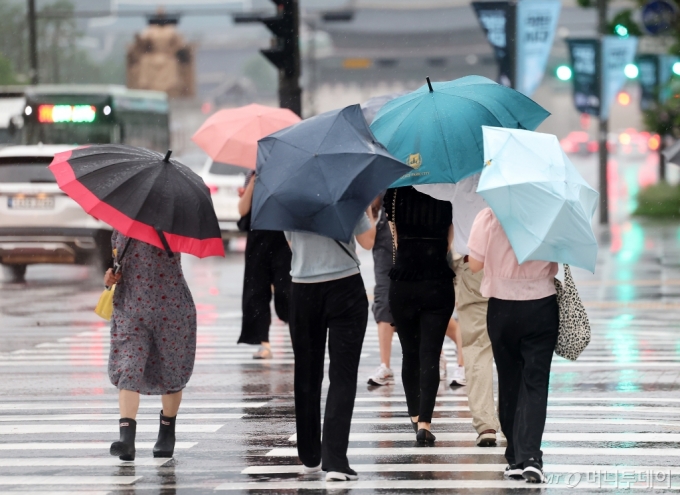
(574, 330)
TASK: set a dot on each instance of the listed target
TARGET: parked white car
(38, 222)
(224, 181)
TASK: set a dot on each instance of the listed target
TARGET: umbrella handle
(164, 241)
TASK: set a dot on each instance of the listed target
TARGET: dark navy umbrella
(321, 174)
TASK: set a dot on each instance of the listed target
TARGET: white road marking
(113, 428)
(69, 405)
(547, 437)
(68, 480)
(460, 468)
(420, 451)
(462, 398)
(110, 417)
(599, 421)
(79, 462)
(82, 445)
(579, 408)
(384, 484)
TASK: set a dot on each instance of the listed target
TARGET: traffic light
(631, 71)
(285, 50)
(676, 68)
(621, 30)
(563, 72)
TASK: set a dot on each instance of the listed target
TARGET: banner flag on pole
(496, 19)
(617, 52)
(536, 26)
(584, 54)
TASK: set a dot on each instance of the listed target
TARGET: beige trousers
(477, 351)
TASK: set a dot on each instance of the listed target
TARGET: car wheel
(14, 273)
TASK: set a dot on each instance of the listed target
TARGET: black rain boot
(125, 447)
(165, 445)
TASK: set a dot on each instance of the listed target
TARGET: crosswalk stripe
(82, 445)
(547, 437)
(419, 451)
(79, 462)
(551, 420)
(113, 405)
(462, 398)
(385, 484)
(584, 408)
(460, 468)
(57, 480)
(111, 417)
(112, 428)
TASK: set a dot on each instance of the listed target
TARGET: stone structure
(160, 59)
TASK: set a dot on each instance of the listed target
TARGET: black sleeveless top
(422, 224)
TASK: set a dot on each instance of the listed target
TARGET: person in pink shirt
(522, 322)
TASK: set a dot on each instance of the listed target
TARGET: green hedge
(659, 200)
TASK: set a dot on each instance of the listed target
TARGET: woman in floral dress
(153, 338)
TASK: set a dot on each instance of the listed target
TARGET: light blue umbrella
(542, 202)
(437, 129)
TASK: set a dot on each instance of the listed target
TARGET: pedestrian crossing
(608, 417)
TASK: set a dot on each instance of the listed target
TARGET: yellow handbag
(105, 305)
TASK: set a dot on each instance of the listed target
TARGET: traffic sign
(658, 16)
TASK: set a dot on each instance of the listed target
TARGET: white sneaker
(313, 469)
(442, 367)
(458, 377)
(381, 376)
(340, 476)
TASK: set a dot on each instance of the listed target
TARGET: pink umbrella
(231, 135)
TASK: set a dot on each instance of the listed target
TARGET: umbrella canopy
(143, 195)
(320, 175)
(231, 135)
(542, 202)
(437, 129)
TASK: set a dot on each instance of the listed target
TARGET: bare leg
(385, 334)
(453, 332)
(424, 426)
(128, 403)
(171, 404)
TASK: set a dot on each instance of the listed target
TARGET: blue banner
(496, 19)
(536, 25)
(616, 53)
(584, 54)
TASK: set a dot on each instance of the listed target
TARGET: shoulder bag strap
(342, 246)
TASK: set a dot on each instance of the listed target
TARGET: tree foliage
(60, 57)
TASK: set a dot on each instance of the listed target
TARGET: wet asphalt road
(613, 423)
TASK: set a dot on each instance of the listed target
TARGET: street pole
(290, 93)
(33, 42)
(604, 123)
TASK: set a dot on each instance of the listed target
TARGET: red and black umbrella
(142, 194)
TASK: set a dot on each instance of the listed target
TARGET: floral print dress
(153, 327)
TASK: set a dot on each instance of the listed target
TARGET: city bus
(96, 114)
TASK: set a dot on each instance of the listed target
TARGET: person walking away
(523, 321)
(327, 297)
(153, 339)
(382, 264)
(421, 295)
(267, 264)
(471, 307)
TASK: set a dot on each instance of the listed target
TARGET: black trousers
(267, 263)
(523, 336)
(339, 308)
(421, 311)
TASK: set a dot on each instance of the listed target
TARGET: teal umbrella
(538, 196)
(437, 129)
